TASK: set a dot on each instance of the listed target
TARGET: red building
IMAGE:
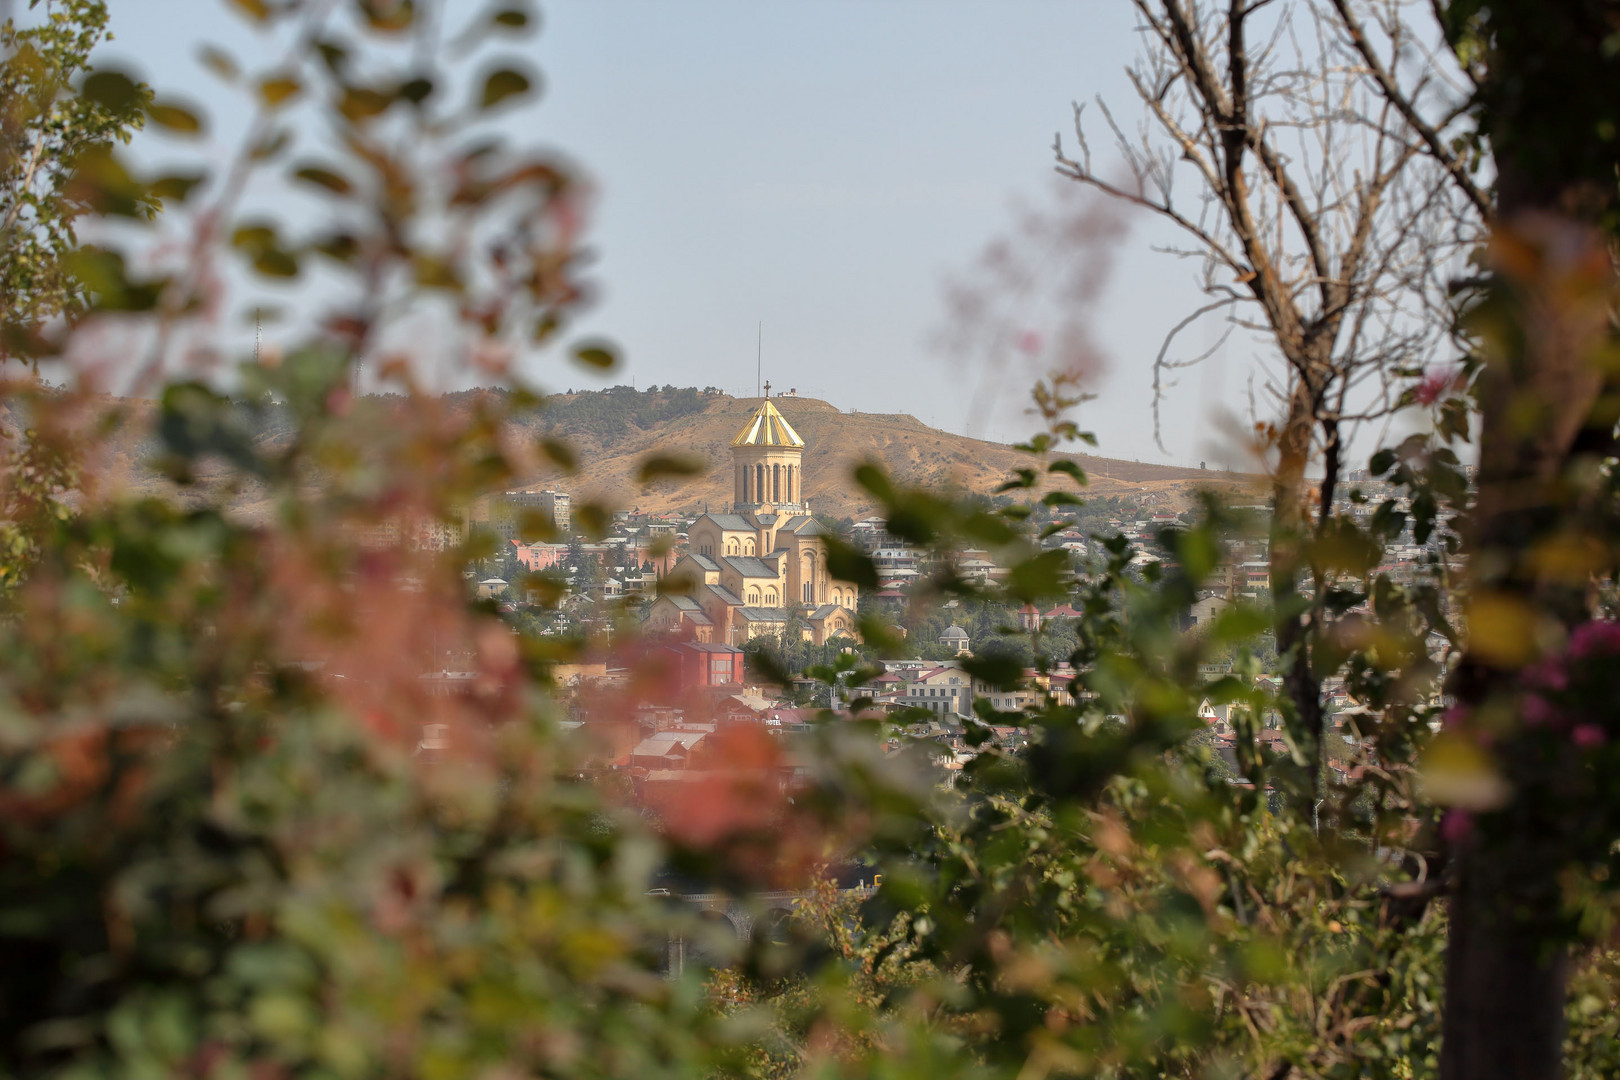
(707, 663)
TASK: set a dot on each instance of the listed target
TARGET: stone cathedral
(746, 568)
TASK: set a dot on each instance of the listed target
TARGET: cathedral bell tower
(767, 462)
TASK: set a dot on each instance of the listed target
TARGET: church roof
(726, 596)
(767, 427)
(702, 560)
(764, 614)
(824, 610)
(750, 567)
(690, 608)
(731, 522)
(802, 525)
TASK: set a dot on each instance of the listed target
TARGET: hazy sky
(826, 167)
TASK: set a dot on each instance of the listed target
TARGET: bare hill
(611, 447)
(613, 431)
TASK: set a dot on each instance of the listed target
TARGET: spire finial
(767, 388)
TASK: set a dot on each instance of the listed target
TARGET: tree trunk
(1290, 528)
(1507, 962)
(1505, 970)
(1543, 103)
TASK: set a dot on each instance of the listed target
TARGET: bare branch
(1426, 131)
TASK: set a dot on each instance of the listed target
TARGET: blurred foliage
(59, 122)
(242, 835)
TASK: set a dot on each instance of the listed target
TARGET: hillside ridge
(613, 431)
(612, 437)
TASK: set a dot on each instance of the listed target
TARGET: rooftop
(767, 427)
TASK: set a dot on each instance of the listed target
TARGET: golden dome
(767, 427)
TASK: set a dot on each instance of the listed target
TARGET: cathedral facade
(749, 570)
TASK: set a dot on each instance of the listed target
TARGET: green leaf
(873, 478)
(272, 144)
(660, 466)
(501, 84)
(175, 187)
(1003, 671)
(416, 90)
(536, 526)
(435, 271)
(112, 90)
(219, 62)
(1240, 623)
(174, 118)
(596, 354)
(389, 16)
(594, 519)
(361, 103)
(257, 10)
(1045, 575)
(254, 235)
(1070, 469)
(559, 453)
(273, 262)
(545, 328)
(847, 563)
(325, 178)
(277, 90)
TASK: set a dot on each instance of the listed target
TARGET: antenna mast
(256, 314)
(759, 357)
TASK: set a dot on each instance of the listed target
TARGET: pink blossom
(1456, 826)
(1029, 342)
(1594, 638)
(1587, 736)
(1434, 385)
(1549, 674)
(1539, 712)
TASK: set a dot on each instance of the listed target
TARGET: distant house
(706, 663)
(666, 750)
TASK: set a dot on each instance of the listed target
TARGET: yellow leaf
(1454, 771)
(275, 91)
(1502, 629)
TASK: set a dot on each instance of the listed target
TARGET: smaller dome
(953, 633)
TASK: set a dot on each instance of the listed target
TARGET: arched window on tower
(753, 597)
(759, 483)
(731, 547)
(748, 547)
(770, 598)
